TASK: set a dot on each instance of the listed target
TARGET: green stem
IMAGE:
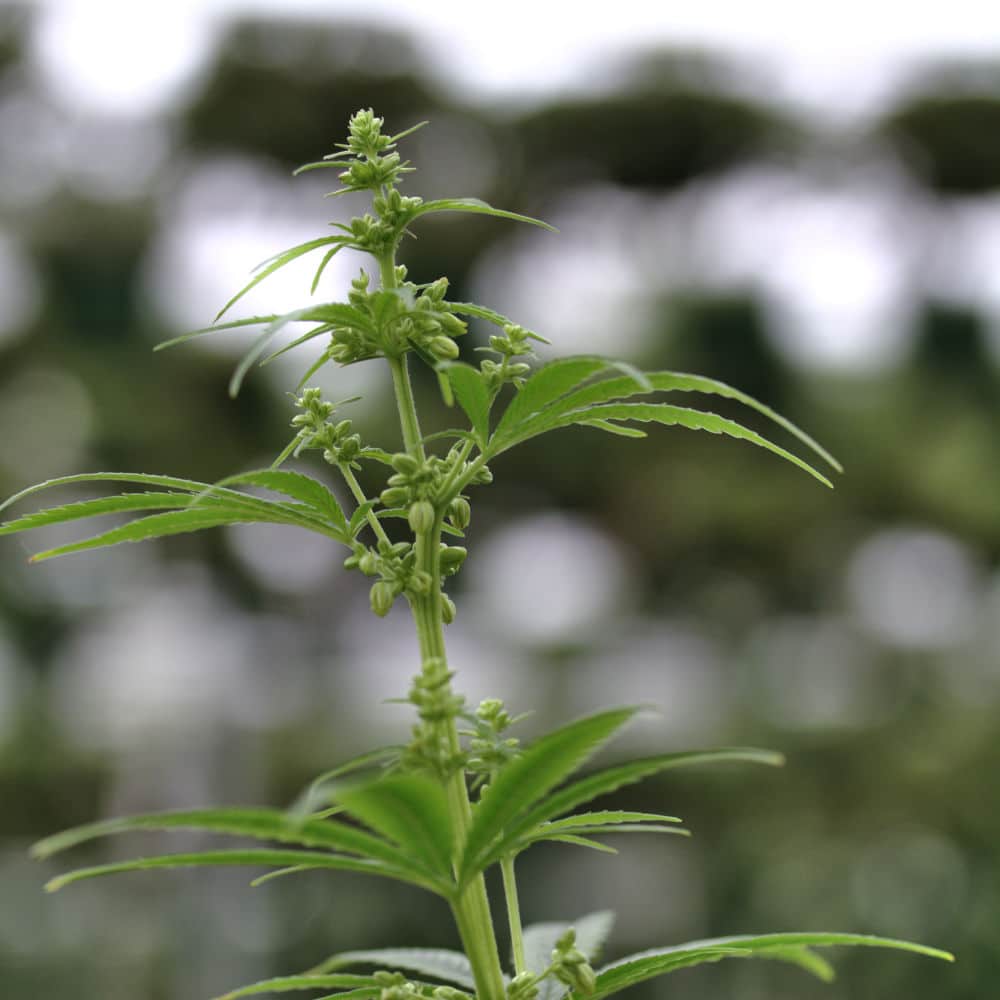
(513, 913)
(359, 495)
(471, 907)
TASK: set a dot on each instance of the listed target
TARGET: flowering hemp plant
(463, 794)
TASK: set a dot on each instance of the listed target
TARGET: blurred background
(808, 211)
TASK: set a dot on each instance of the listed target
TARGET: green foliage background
(742, 616)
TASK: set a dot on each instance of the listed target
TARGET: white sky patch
(138, 57)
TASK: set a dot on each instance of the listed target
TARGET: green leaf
(313, 859)
(358, 985)
(215, 328)
(313, 794)
(261, 824)
(610, 779)
(297, 486)
(783, 947)
(122, 503)
(527, 777)
(665, 381)
(662, 413)
(540, 941)
(577, 841)
(279, 261)
(491, 316)
(547, 385)
(612, 428)
(182, 522)
(478, 207)
(409, 809)
(439, 963)
(605, 821)
(470, 390)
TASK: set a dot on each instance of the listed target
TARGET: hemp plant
(463, 795)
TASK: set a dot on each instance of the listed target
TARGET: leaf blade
(530, 775)
(479, 207)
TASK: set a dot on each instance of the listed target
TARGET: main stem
(471, 908)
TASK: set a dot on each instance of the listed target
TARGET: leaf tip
(55, 884)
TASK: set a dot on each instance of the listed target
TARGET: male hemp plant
(463, 795)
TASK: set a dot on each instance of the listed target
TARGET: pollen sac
(452, 557)
(421, 516)
(460, 513)
(381, 598)
(448, 609)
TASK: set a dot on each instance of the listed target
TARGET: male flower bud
(483, 476)
(394, 496)
(381, 598)
(421, 516)
(443, 348)
(460, 513)
(448, 609)
(368, 563)
(523, 986)
(570, 965)
(452, 557)
(404, 463)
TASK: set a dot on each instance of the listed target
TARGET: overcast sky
(846, 55)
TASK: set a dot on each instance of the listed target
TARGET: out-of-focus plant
(463, 794)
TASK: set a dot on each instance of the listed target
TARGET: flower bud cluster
(375, 165)
(395, 986)
(523, 986)
(489, 749)
(436, 705)
(396, 566)
(317, 431)
(570, 965)
(514, 343)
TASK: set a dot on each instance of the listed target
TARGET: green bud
(381, 598)
(448, 609)
(368, 564)
(394, 496)
(421, 516)
(421, 582)
(404, 463)
(351, 561)
(460, 513)
(483, 477)
(452, 557)
(443, 348)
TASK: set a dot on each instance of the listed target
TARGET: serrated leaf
(612, 778)
(439, 963)
(215, 328)
(783, 947)
(156, 526)
(309, 798)
(478, 207)
(666, 381)
(665, 413)
(578, 841)
(261, 824)
(279, 261)
(252, 858)
(544, 387)
(297, 486)
(470, 390)
(122, 503)
(359, 986)
(606, 821)
(527, 777)
(540, 940)
(409, 809)
(611, 428)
